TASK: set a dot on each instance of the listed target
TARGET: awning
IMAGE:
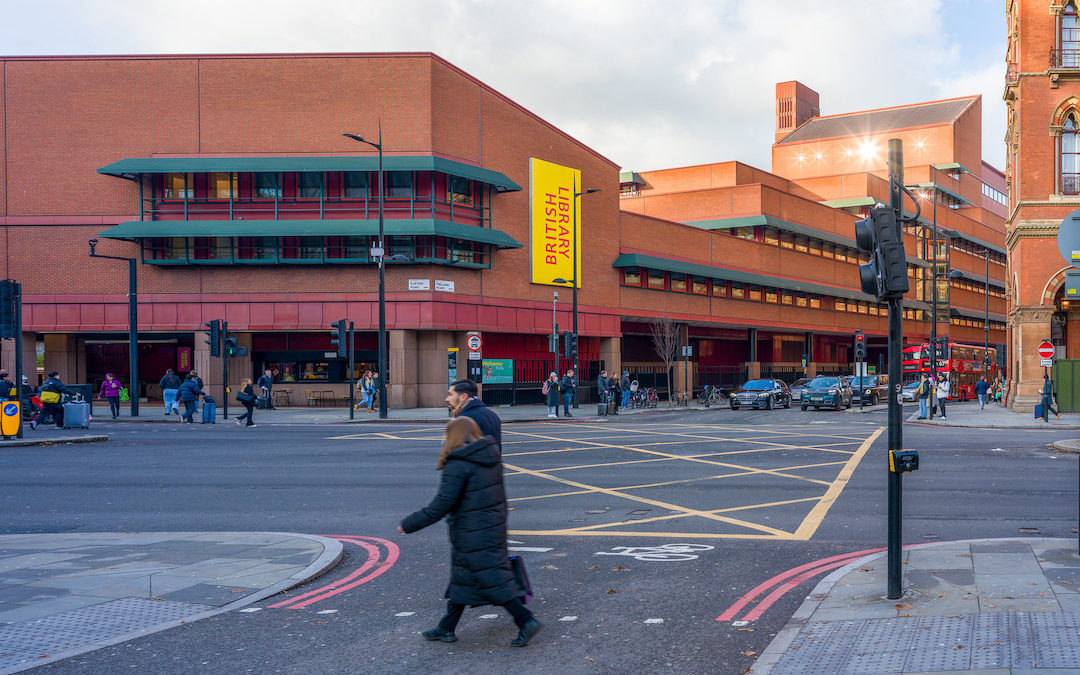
(975, 314)
(138, 229)
(713, 272)
(626, 177)
(786, 226)
(939, 188)
(980, 279)
(134, 166)
(951, 166)
(850, 203)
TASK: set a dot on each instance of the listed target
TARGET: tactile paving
(1055, 656)
(924, 660)
(28, 640)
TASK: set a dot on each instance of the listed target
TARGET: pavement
(980, 605)
(968, 414)
(65, 594)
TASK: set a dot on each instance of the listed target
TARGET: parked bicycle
(681, 397)
(710, 396)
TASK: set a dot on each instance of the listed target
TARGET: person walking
(189, 393)
(943, 393)
(374, 390)
(110, 391)
(924, 395)
(624, 385)
(464, 401)
(366, 391)
(566, 387)
(246, 396)
(199, 383)
(266, 384)
(551, 394)
(169, 384)
(52, 389)
(982, 387)
(472, 498)
(8, 390)
(1048, 399)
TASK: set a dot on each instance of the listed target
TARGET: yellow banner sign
(555, 238)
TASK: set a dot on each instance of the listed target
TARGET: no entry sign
(1046, 349)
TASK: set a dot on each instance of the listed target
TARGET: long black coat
(472, 498)
(552, 398)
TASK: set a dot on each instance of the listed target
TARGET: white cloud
(647, 84)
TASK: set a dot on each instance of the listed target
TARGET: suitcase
(209, 411)
(1039, 413)
(262, 403)
(77, 415)
(601, 409)
(612, 408)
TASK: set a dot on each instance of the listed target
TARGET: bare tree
(665, 335)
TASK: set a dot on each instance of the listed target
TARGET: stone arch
(1053, 286)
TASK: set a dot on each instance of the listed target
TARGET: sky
(647, 84)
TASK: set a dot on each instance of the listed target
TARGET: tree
(665, 335)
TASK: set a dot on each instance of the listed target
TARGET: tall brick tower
(795, 103)
(1042, 90)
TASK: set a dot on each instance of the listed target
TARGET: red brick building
(230, 180)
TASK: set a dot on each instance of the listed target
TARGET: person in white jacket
(942, 392)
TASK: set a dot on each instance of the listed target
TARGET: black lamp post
(378, 252)
(133, 326)
(574, 285)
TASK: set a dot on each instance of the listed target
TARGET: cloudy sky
(648, 84)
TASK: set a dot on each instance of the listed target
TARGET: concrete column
(29, 347)
(209, 369)
(403, 388)
(1031, 326)
(430, 361)
(808, 349)
(61, 355)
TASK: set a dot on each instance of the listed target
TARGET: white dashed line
(739, 623)
(568, 618)
(489, 616)
(251, 609)
(528, 549)
(405, 613)
(654, 621)
(328, 611)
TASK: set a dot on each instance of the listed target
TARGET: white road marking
(654, 621)
(997, 449)
(405, 613)
(489, 616)
(251, 609)
(328, 611)
(528, 549)
(739, 623)
(568, 618)
(511, 541)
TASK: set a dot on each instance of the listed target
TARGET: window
(252, 249)
(465, 251)
(221, 186)
(700, 286)
(755, 294)
(743, 233)
(678, 282)
(771, 296)
(841, 253)
(815, 302)
(1070, 38)
(398, 245)
(815, 247)
(656, 280)
(267, 186)
(800, 301)
(459, 190)
(354, 185)
(787, 240)
(772, 236)
(309, 185)
(1070, 157)
(213, 248)
(165, 248)
(840, 305)
(828, 250)
(786, 298)
(314, 370)
(632, 276)
(178, 186)
(801, 244)
(399, 184)
(348, 248)
(302, 248)
(719, 288)
(738, 291)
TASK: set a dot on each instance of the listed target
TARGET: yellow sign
(10, 418)
(555, 237)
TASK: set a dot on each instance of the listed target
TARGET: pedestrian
(374, 390)
(624, 384)
(199, 384)
(924, 394)
(266, 383)
(110, 391)
(246, 396)
(551, 394)
(169, 384)
(567, 385)
(602, 387)
(472, 497)
(189, 393)
(614, 395)
(981, 389)
(1048, 399)
(464, 401)
(943, 392)
(52, 389)
(8, 390)
(366, 391)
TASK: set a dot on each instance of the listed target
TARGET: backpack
(547, 387)
(924, 389)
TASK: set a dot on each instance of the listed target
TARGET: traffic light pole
(225, 372)
(17, 293)
(896, 439)
(352, 392)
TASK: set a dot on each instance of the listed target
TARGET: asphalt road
(750, 492)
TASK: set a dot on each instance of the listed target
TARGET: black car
(766, 394)
(870, 389)
(826, 392)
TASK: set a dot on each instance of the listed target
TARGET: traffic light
(340, 341)
(7, 309)
(569, 345)
(860, 346)
(231, 348)
(885, 276)
(213, 337)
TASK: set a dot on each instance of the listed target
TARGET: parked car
(826, 392)
(796, 387)
(761, 394)
(870, 389)
(910, 392)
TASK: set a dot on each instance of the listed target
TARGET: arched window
(1070, 37)
(1070, 156)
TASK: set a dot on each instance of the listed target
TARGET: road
(748, 495)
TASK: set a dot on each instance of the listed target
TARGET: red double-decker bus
(963, 363)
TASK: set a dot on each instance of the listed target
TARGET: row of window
(310, 185)
(975, 323)
(973, 249)
(348, 249)
(678, 282)
(793, 242)
(976, 287)
(996, 195)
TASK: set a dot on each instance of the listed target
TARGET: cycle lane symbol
(662, 553)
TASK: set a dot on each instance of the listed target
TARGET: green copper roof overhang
(134, 166)
(698, 269)
(975, 314)
(139, 229)
(939, 188)
(850, 203)
(634, 177)
(952, 166)
(787, 226)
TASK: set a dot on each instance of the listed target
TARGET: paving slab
(65, 594)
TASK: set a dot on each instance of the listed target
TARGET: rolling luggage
(209, 411)
(77, 415)
(1039, 413)
(262, 403)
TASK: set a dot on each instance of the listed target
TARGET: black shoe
(526, 633)
(439, 634)
(567, 415)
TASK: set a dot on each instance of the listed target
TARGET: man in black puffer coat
(463, 400)
(472, 498)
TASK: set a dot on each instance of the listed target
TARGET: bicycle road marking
(661, 553)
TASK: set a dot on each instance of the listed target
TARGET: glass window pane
(399, 184)
(459, 189)
(267, 186)
(678, 282)
(632, 276)
(221, 186)
(719, 288)
(700, 286)
(177, 186)
(355, 185)
(656, 279)
(309, 185)
(738, 291)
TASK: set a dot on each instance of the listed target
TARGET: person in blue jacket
(189, 393)
(981, 387)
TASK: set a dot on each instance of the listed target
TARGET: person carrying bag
(246, 397)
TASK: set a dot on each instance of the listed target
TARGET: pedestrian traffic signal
(213, 337)
(231, 348)
(878, 235)
(860, 346)
(340, 339)
(569, 345)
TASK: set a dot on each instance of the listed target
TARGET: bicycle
(681, 398)
(651, 399)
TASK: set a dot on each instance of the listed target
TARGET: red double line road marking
(362, 575)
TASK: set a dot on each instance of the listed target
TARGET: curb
(58, 440)
(1070, 445)
(333, 552)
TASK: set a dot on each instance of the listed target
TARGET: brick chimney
(795, 103)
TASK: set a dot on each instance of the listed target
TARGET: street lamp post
(379, 253)
(574, 282)
(133, 326)
(958, 274)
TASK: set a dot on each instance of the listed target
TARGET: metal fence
(529, 377)
(1066, 376)
(726, 378)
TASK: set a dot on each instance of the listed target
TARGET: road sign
(474, 342)
(1068, 238)
(1046, 349)
(475, 356)
(1046, 363)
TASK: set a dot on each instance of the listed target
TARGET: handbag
(244, 397)
(50, 397)
(124, 395)
(521, 578)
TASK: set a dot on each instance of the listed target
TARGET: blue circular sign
(10, 409)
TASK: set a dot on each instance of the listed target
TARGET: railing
(529, 377)
(1065, 58)
(301, 209)
(726, 378)
(1070, 183)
